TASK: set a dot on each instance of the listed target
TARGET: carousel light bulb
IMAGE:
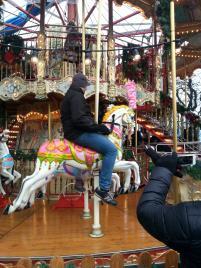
(136, 58)
(41, 41)
(178, 50)
(34, 59)
(87, 61)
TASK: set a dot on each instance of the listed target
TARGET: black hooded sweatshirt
(76, 116)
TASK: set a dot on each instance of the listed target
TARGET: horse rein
(114, 124)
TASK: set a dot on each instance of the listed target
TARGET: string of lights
(95, 50)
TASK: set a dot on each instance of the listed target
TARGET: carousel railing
(193, 147)
(57, 62)
(167, 128)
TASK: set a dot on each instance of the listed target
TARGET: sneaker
(106, 196)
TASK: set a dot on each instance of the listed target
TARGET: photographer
(178, 226)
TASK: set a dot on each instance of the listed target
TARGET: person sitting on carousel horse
(80, 128)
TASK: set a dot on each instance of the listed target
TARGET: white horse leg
(125, 167)
(116, 177)
(40, 184)
(135, 168)
(96, 227)
(44, 188)
(24, 194)
(36, 182)
(31, 199)
(17, 175)
(1, 188)
(7, 174)
(127, 179)
(113, 185)
(86, 211)
(36, 171)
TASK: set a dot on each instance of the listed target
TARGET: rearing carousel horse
(55, 155)
(7, 164)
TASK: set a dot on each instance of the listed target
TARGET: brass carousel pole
(49, 122)
(83, 38)
(111, 54)
(136, 132)
(86, 211)
(187, 134)
(174, 102)
(96, 228)
(173, 58)
(41, 40)
(98, 60)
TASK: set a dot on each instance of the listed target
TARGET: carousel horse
(55, 155)
(7, 164)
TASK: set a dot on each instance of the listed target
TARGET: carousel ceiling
(188, 24)
(188, 28)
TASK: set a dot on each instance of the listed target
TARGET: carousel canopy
(23, 18)
(132, 23)
(188, 28)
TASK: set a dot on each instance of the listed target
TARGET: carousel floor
(44, 231)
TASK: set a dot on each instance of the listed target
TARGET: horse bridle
(113, 123)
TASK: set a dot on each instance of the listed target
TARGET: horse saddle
(60, 150)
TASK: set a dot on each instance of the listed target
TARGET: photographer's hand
(168, 161)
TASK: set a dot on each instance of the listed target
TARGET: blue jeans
(101, 144)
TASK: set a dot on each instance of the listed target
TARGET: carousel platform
(42, 232)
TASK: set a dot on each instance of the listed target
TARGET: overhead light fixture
(87, 61)
(178, 50)
(136, 56)
(34, 59)
(88, 58)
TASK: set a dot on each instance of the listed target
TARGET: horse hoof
(116, 195)
(40, 195)
(121, 191)
(28, 205)
(6, 210)
(132, 189)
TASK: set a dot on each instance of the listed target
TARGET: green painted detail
(51, 157)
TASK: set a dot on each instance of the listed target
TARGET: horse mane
(111, 110)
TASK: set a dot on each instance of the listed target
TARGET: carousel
(141, 63)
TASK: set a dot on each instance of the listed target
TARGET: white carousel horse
(7, 163)
(52, 155)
